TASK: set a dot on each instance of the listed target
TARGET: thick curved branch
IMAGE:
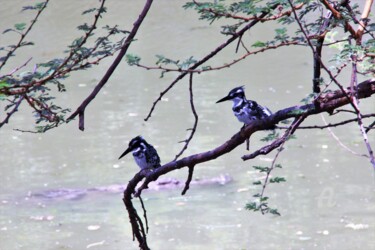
(81, 109)
(328, 103)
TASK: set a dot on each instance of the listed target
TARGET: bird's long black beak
(227, 98)
(125, 153)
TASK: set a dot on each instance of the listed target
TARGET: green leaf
(4, 84)
(257, 183)
(261, 169)
(259, 44)
(132, 59)
(274, 211)
(20, 26)
(89, 11)
(277, 180)
(251, 206)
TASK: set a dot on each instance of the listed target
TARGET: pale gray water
(326, 203)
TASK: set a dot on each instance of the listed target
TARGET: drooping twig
(194, 128)
(288, 133)
(144, 212)
(339, 141)
(18, 68)
(188, 180)
(207, 57)
(81, 109)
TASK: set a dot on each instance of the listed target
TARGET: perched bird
(245, 110)
(144, 154)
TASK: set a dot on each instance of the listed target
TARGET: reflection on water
(326, 203)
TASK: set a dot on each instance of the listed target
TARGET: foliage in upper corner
(34, 87)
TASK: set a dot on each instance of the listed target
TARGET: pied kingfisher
(245, 110)
(144, 154)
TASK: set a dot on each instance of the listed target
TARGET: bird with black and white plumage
(145, 155)
(245, 110)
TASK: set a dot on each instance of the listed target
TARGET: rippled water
(326, 203)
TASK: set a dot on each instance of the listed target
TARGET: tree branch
(23, 35)
(194, 128)
(278, 142)
(328, 103)
(81, 109)
(208, 57)
(15, 109)
(188, 180)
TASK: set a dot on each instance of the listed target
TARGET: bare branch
(188, 180)
(16, 69)
(81, 109)
(339, 141)
(330, 125)
(144, 212)
(194, 128)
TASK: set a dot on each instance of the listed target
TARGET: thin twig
(330, 125)
(15, 109)
(18, 68)
(194, 128)
(225, 65)
(144, 212)
(207, 57)
(278, 142)
(23, 35)
(339, 141)
(188, 180)
(292, 129)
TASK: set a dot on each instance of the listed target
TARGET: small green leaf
(132, 59)
(277, 180)
(258, 44)
(257, 183)
(20, 26)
